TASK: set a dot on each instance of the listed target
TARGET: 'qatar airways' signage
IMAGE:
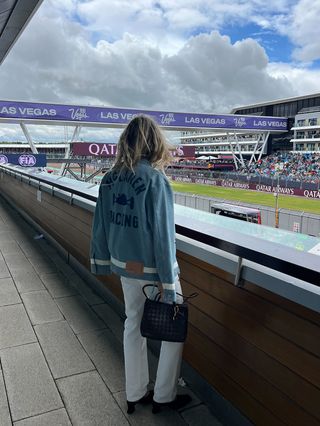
(118, 117)
(95, 149)
(110, 150)
(184, 151)
(253, 186)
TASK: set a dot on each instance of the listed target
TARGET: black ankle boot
(179, 402)
(147, 399)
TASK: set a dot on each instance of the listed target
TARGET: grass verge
(253, 197)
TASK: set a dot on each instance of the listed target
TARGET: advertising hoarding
(118, 117)
(307, 193)
(110, 150)
(24, 160)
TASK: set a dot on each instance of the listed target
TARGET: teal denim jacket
(133, 232)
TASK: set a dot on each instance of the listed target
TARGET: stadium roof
(14, 17)
(276, 101)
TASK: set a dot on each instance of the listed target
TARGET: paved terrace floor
(61, 344)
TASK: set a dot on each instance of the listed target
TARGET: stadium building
(303, 134)
(303, 113)
(306, 136)
(52, 150)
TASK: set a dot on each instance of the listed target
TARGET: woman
(134, 236)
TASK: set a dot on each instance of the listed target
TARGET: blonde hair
(142, 139)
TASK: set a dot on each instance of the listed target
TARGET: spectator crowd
(298, 167)
(292, 166)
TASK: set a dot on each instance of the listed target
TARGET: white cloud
(10, 133)
(56, 134)
(168, 23)
(181, 18)
(124, 15)
(303, 81)
(208, 73)
(304, 30)
(300, 24)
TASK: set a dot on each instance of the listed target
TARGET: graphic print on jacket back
(121, 200)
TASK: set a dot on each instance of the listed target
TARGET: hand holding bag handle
(164, 321)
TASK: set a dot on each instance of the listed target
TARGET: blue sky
(175, 55)
(278, 47)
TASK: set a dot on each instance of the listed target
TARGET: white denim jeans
(135, 349)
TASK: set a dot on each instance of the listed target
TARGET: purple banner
(307, 193)
(24, 160)
(117, 117)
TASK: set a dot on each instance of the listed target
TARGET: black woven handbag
(164, 321)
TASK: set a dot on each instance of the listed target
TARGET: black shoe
(147, 399)
(179, 402)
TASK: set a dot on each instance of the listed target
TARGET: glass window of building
(300, 123)
(305, 103)
(286, 110)
(311, 102)
(310, 146)
(312, 121)
(300, 135)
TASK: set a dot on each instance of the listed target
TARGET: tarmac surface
(61, 344)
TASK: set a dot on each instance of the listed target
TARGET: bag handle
(157, 298)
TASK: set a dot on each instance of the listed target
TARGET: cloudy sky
(175, 55)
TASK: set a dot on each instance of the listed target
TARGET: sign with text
(307, 193)
(24, 160)
(110, 150)
(94, 149)
(184, 151)
(118, 117)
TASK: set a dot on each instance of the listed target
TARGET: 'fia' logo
(3, 159)
(27, 160)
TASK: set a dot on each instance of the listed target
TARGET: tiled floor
(61, 344)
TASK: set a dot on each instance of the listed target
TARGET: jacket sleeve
(99, 252)
(163, 228)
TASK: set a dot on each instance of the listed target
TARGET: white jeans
(135, 349)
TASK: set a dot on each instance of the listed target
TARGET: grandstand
(52, 150)
(301, 167)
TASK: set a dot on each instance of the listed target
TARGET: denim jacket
(133, 232)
